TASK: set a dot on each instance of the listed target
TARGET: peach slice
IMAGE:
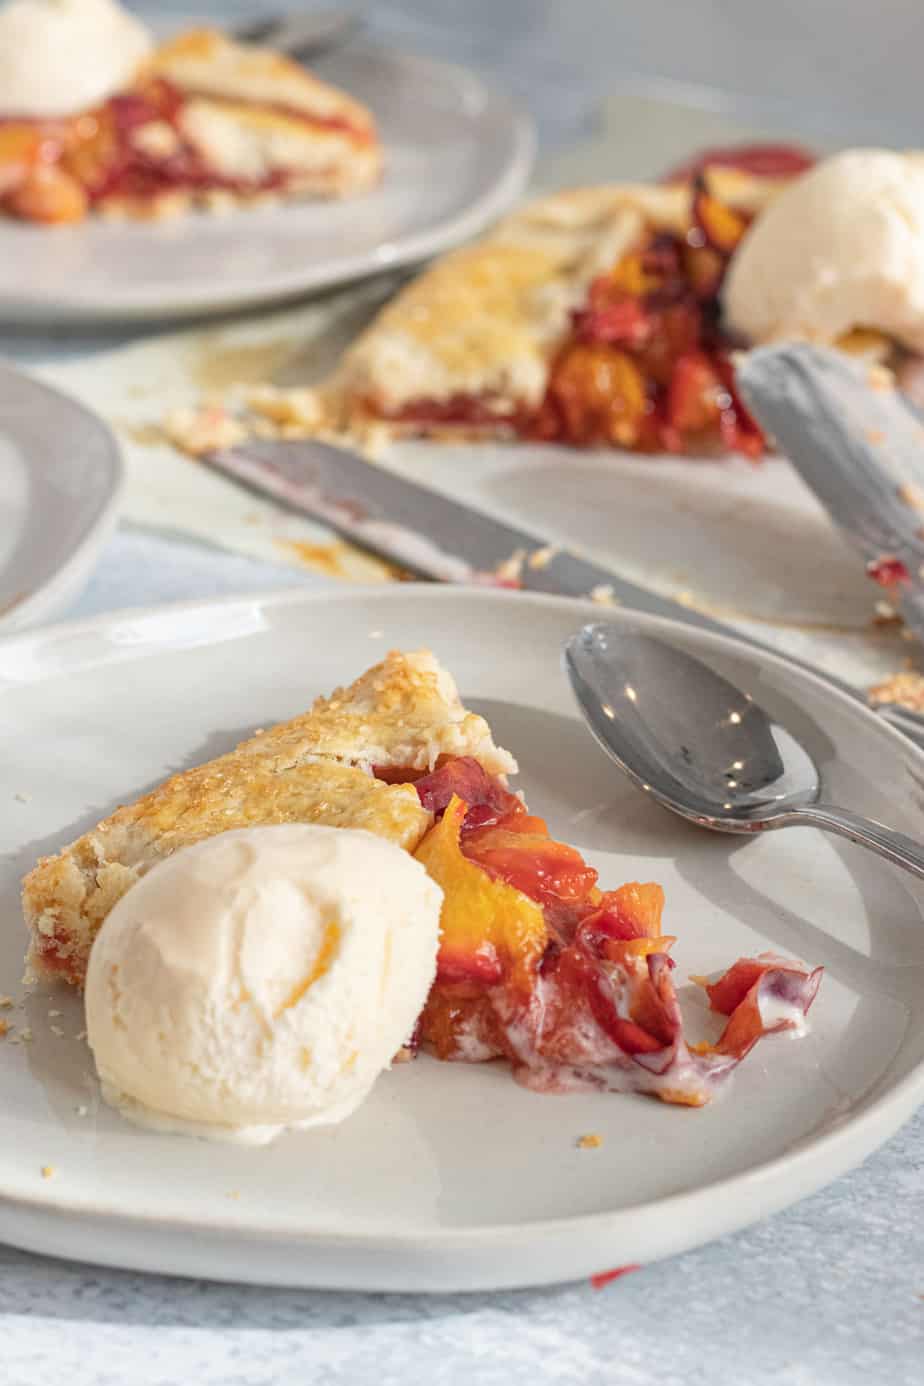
(490, 930)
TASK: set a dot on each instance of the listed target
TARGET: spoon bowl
(702, 746)
(684, 733)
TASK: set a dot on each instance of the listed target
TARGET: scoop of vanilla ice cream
(60, 57)
(260, 979)
(841, 247)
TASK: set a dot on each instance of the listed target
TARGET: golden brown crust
(404, 713)
(465, 327)
(67, 897)
(206, 62)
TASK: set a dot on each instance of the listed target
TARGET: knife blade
(421, 530)
(436, 537)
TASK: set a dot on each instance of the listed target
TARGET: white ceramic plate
(457, 154)
(452, 1177)
(60, 480)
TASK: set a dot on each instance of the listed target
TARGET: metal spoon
(704, 748)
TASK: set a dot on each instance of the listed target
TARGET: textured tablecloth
(830, 1293)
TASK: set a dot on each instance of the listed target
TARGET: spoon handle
(894, 846)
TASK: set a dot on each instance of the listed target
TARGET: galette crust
(205, 62)
(485, 320)
(404, 713)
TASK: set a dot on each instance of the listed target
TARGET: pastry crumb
(604, 595)
(875, 436)
(905, 689)
(912, 495)
(53, 1015)
(373, 442)
(296, 408)
(81, 1035)
(591, 1141)
(541, 558)
(26, 1035)
(880, 378)
(210, 428)
(886, 615)
(6, 1003)
(511, 569)
(233, 1193)
(48, 1171)
(267, 411)
(57, 1030)
(4, 1028)
(20, 797)
(81, 1111)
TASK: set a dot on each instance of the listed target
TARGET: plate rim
(789, 1177)
(65, 577)
(154, 305)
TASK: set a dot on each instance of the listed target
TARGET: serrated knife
(433, 536)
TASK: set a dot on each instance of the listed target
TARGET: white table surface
(830, 1293)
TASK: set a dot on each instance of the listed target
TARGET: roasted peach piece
(48, 194)
(721, 226)
(601, 395)
(490, 931)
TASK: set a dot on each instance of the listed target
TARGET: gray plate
(456, 156)
(60, 479)
(451, 1176)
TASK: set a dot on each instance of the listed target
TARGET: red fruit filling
(645, 365)
(570, 983)
(98, 153)
(760, 160)
(888, 572)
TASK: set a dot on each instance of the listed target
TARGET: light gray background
(828, 1294)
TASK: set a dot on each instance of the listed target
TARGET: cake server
(859, 446)
(436, 537)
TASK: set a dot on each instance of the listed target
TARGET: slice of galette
(589, 317)
(205, 122)
(572, 984)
